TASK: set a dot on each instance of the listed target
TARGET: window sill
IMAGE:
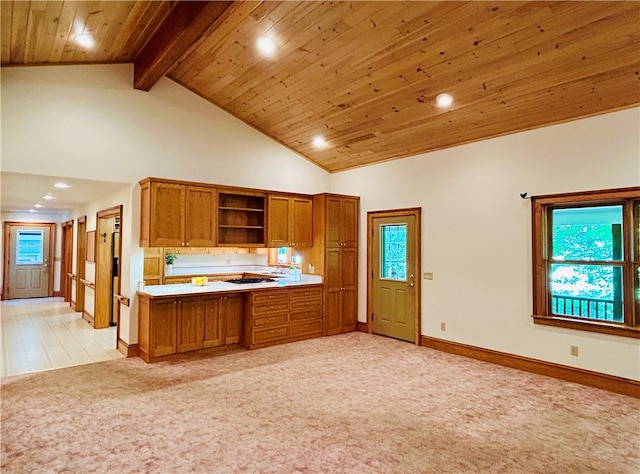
(602, 327)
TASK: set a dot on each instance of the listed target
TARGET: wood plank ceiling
(365, 74)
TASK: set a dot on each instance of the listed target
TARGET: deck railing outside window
(592, 308)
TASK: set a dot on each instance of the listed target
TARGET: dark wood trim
(88, 283)
(58, 294)
(73, 305)
(114, 211)
(416, 212)
(363, 327)
(128, 350)
(81, 257)
(607, 382)
(82, 220)
(87, 317)
(588, 325)
(183, 28)
(124, 300)
(603, 194)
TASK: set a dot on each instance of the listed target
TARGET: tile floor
(45, 333)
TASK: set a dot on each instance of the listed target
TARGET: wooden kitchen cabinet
(283, 315)
(241, 219)
(341, 278)
(173, 325)
(290, 222)
(189, 324)
(177, 215)
(157, 327)
(341, 221)
(223, 317)
(334, 255)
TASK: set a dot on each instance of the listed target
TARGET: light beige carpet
(353, 403)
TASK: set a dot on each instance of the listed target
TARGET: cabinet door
(162, 327)
(200, 211)
(301, 225)
(232, 315)
(333, 312)
(278, 222)
(212, 322)
(349, 222)
(167, 215)
(348, 311)
(333, 210)
(190, 325)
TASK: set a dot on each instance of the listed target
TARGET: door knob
(410, 285)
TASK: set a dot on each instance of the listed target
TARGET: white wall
(89, 122)
(476, 236)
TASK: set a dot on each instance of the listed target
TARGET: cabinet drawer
(266, 335)
(270, 297)
(272, 307)
(275, 320)
(302, 328)
(303, 305)
(310, 314)
(306, 293)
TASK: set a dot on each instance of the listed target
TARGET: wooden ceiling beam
(184, 26)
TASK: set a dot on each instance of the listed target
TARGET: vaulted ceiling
(364, 75)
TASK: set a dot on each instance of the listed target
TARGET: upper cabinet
(241, 219)
(290, 221)
(177, 215)
(341, 222)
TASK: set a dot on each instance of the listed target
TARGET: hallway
(45, 333)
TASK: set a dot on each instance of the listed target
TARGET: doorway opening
(81, 258)
(66, 262)
(108, 265)
(28, 260)
(394, 269)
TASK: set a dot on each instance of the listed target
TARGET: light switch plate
(428, 275)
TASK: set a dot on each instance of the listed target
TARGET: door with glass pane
(393, 282)
(29, 262)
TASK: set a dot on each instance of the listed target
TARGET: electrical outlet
(428, 276)
(574, 351)
(443, 326)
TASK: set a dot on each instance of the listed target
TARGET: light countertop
(189, 289)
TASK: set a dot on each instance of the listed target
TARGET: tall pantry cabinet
(334, 255)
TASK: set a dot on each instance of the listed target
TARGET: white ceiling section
(19, 192)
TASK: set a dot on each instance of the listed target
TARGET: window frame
(541, 209)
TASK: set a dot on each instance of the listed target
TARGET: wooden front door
(29, 260)
(394, 289)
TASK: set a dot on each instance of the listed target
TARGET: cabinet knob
(188, 244)
(183, 244)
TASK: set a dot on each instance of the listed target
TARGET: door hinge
(371, 316)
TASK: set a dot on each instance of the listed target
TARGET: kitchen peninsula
(218, 316)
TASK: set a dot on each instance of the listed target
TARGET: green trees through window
(592, 235)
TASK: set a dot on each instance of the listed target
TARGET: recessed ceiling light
(266, 46)
(444, 100)
(61, 185)
(84, 40)
(319, 142)
(38, 205)
(48, 197)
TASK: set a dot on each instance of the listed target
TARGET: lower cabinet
(174, 325)
(183, 324)
(286, 315)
